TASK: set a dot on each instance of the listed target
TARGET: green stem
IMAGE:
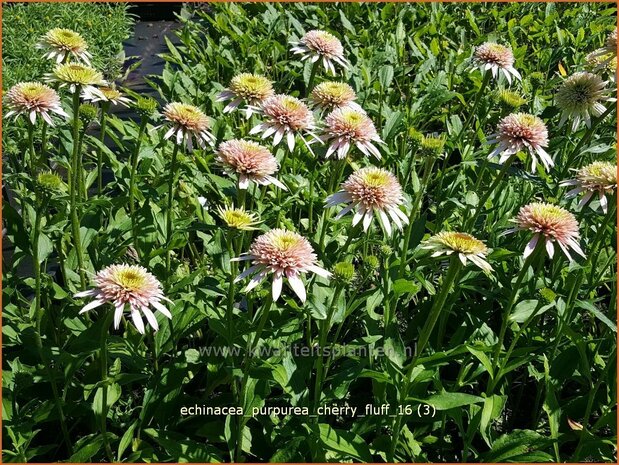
(135, 156)
(37, 265)
(473, 111)
(104, 383)
(31, 156)
(435, 311)
(508, 309)
(43, 154)
(169, 213)
(103, 123)
(73, 188)
(325, 326)
(310, 84)
(266, 309)
(425, 180)
(480, 205)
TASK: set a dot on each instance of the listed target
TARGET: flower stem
(266, 309)
(103, 123)
(426, 332)
(508, 309)
(104, 382)
(31, 156)
(425, 180)
(169, 213)
(42, 155)
(135, 156)
(73, 190)
(473, 111)
(310, 84)
(325, 326)
(468, 224)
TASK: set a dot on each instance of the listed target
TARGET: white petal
(94, 304)
(550, 248)
(162, 309)
(137, 320)
(150, 316)
(297, 286)
(531, 246)
(118, 314)
(277, 286)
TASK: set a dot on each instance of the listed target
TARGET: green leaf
(449, 400)
(350, 445)
(404, 286)
(516, 446)
(44, 247)
(126, 439)
(385, 76)
(598, 314)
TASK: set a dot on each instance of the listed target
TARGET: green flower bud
(547, 294)
(50, 183)
(385, 250)
(432, 145)
(344, 272)
(510, 100)
(88, 113)
(415, 138)
(536, 78)
(145, 107)
(372, 263)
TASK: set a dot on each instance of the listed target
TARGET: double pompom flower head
(521, 131)
(284, 254)
(128, 285)
(371, 192)
(321, 45)
(33, 99)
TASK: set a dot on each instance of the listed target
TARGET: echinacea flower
(317, 45)
(371, 191)
(188, 122)
(599, 60)
(345, 127)
(77, 76)
(609, 50)
(107, 94)
(463, 244)
(132, 285)
(580, 96)
(284, 254)
(286, 116)
(496, 58)
(520, 131)
(63, 43)
(31, 99)
(238, 218)
(331, 95)
(598, 177)
(251, 161)
(251, 89)
(549, 223)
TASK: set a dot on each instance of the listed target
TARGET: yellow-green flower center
(65, 38)
(375, 178)
(251, 86)
(285, 240)
(130, 279)
(78, 74)
(462, 242)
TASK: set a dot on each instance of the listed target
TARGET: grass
(104, 26)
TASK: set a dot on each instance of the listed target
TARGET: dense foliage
(485, 344)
